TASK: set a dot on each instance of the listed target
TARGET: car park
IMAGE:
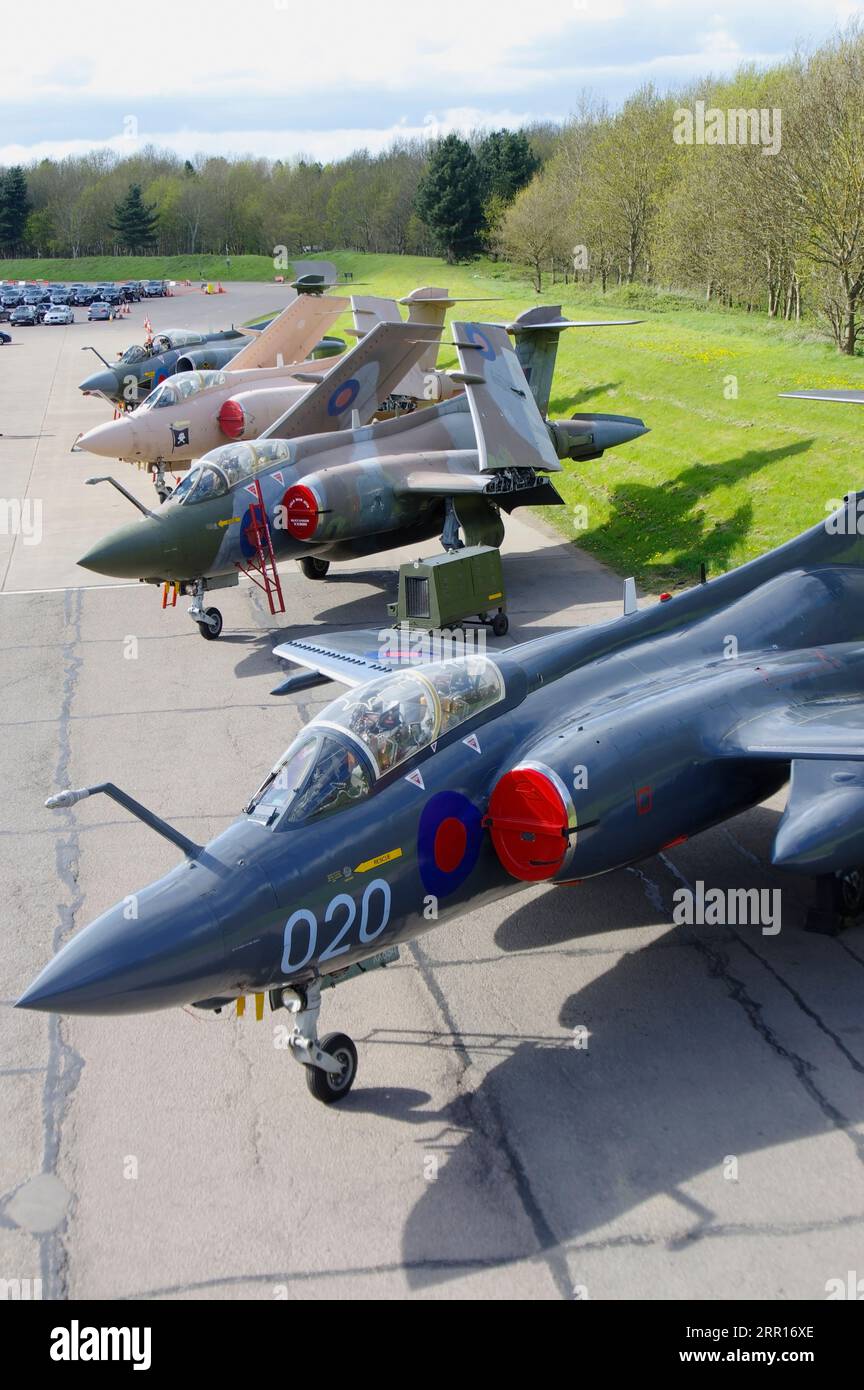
(59, 313)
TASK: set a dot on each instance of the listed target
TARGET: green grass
(719, 478)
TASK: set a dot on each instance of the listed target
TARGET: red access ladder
(261, 569)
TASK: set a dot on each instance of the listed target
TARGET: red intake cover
(301, 512)
(232, 419)
(528, 822)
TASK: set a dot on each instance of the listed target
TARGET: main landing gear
(209, 620)
(839, 902)
(313, 568)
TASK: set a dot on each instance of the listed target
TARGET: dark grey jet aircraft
(429, 787)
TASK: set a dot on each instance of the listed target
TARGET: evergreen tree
(134, 221)
(449, 198)
(507, 163)
(14, 208)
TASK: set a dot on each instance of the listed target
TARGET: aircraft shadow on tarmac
(682, 1068)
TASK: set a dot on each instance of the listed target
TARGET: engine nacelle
(209, 357)
(247, 414)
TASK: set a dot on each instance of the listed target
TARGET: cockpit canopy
(181, 387)
(368, 733)
(222, 468)
(175, 338)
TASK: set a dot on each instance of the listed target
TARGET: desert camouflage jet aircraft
(331, 496)
(428, 788)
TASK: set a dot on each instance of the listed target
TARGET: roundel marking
(246, 545)
(480, 341)
(300, 510)
(529, 824)
(343, 397)
(449, 837)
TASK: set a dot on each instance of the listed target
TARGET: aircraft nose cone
(113, 440)
(136, 551)
(102, 383)
(156, 949)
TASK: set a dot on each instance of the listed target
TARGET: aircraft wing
(293, 334)
(822, 827)
(351, 658)
(819, 729)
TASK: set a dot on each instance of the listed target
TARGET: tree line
(418, 197)
(748, 192)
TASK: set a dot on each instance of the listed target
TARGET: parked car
(131, 291)
(61, 296)
(154, 288)
(4, 339)
(100, 310)
(11, 296)
(83, 295)
(24, 315)
(4, 313)
(111, 295)
(59, 313)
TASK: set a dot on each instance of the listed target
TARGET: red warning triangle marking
(416, 779)
(280, 477)
(473, 742)
(250, 487)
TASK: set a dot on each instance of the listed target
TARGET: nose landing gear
(331, 1064)
(209, 620)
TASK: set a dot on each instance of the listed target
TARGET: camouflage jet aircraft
(331, 496)
(194, 412)
(142, 367)
(426, 789)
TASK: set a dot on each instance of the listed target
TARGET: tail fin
(427, 306)
(511, 432)
(358, 381)
(537, 332)
(292, 335)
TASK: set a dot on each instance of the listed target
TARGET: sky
(281, 78)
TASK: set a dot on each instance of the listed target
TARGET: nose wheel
(327, 1086)
(210, 624)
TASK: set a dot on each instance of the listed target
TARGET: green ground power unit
(452, 589)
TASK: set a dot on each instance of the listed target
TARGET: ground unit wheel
(211, 628)
(500, 624)
(313, 568)
(326, 1086)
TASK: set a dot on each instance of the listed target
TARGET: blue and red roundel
(343, 397)
(448, 842)
(479, 340)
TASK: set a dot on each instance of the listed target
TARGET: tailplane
(536, 333)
